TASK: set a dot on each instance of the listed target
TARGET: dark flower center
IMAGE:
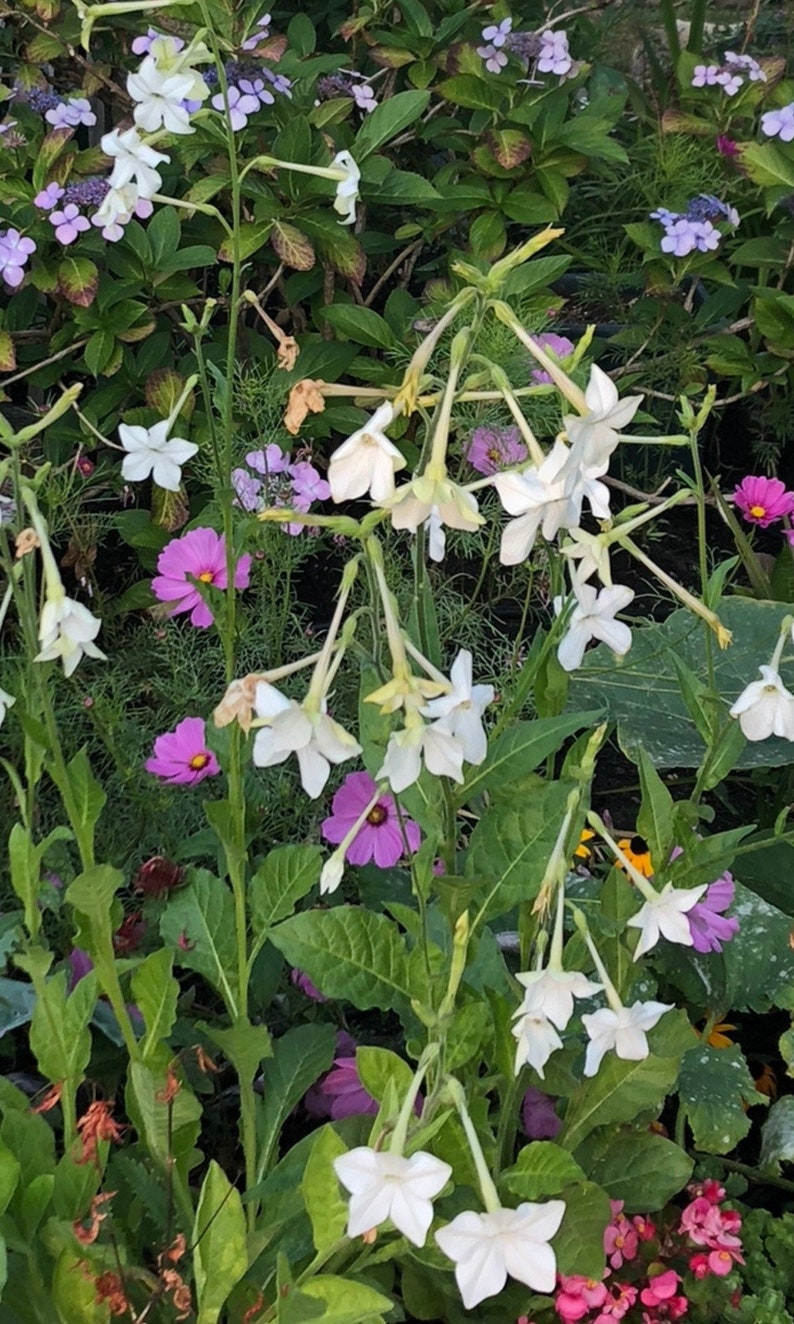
(377, 815)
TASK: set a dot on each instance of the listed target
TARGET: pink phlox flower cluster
(380, 837)
(15, 249)
(492, 449)
(763, 501)
(280, 482)
(663, 1299)
(197, 555)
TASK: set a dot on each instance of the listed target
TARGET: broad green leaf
(198, 922)
(60, 1037)
(520, 750)
(285, 876)
(387, 120)
(361, 325)
(640, 1168)
(346, 1301)
(78, 280)
(219, 1256)
(470, 92)
(378, 1068)
(777, 1135)
(168, 1131)
(322, 1195)
(299, 1058)
(767, 165)
(713, 1087)
(351, 954)
(244, 1044)
(155, 993)
(511, 845)
(9, 1176)
(654, 817)
(74, 1296)
(541, 1169)
(579, 1244)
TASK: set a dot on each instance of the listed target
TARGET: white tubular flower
(663, 915)
(347, 188)
(67, 630)
(765, 708)
(486, 1248)
(134, 162)
(593, 617)
(542, 499)
(6, 701)
(424, 497)
(622, 1030)
(551, 993)
(461, 710)
(536, 1040)
(150, 452)
(307, 732)
(389, 1186)
(402, 765)
(116, 210)
(367, 461)
(595, 434)
(591, 550)
(159, 99)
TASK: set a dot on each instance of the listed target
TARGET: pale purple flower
(6, 126)
(240, 106)
(748, 64)
(255, 87)
(705, 75)
(730, 82)
(707, 921)
(71, 114)
(247, 488)
(495, 60)
(492, 449)
(251, 43)
(69, 224)
(15, 249)
(496, 33)
(380, 838)
(364, 97)
(538, 1118)
(554, 55)
(200, 555)
(271, 460)
(560, 347)
(49, 197)
(779, 123)
(143, 45)
(280, 82)
(684, 236)
(181, 757)
(307, 485)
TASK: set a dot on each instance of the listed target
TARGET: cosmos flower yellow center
(377, 815)
(198, 762)
(758, 511)
(206, 576)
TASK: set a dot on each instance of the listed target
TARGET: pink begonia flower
(69, 223)
(181, 756)
(303, 982)
(720, 1262)
(618, 1305)
(762, 501)
(538, 1118)
(645, 1229)
(560, 347)
(380, 838)
(699, 1265)
(492, 449)
(577, 1296)
(200, 553)
(660, 1289)
(620, 1237)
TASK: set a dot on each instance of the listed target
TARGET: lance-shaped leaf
(199, 924)
(220, 1257)
(155, 993)
(299, 1058)
(322, 1195)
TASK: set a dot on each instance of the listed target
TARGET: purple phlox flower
(302, 981)
(492, 449)
(80, 965)
(705, 75)
(15, 249)
(684, 236)
(71, 114)
(496, 33)
(68, 224)
(364, 97)
(307, 484)
(271, 460)
(538, 1118)
(779, 123)
(380, 837)
(253, 41)
(241, 106)
(763, 501)
(181, 757)
(707, 921)
(200, 554)
(560, 347)
(256, 88)
(247, 488)
(495, 60)
(49, 197)
(554, 55)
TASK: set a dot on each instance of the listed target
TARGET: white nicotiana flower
(367, 461)
(116, 210)
(402, 764)
(664, 915)
(461, 710)
(541, 498)
(159, 98)
(67, 630)
(622, 1030)
(347, 188)
(595, 434)
(436, 537)
(536, 1040)
(486, 1248)
(389, 1186)
(6, 701)
(765, 708)
(551, 993)
(427, 496)
(309, 733)
(150, 452)
(134, 162)
(591, 550)
(593, 617)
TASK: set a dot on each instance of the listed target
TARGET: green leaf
(470, 92)
(9, 1176)
(777, 1135)
(325, 1204)
(402, 187)
(713, 1085)
(25, 858)
(351, 954)
(60, 1038)
(542, 1169)
(163, 232)
(766, 165)
(301, 35)
(344, 1300)
(155, 993)
(299, 1058)
(387, 120)
(244, 1044)
(78, 280)
(292, 246)
(511, 845)
(285, 876)
(220, 1257)
(361, 325)
(378, 1068)
(520, 750)
(198, 922)
(168, 1131)
(640, 1168)
(88, 797)
(654, 817)
(579, 1244)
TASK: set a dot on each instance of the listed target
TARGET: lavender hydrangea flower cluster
(694, 229)
(547, 50)
(278, 481)
(63, 205)
(730, 75)
(342, 84)
(15, 249)
(250, 86)
(59, 112)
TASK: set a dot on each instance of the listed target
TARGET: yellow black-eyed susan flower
(583, 851)
(719, 1037)
(766, 1083)
(638, 853)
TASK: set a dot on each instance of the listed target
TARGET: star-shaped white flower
(542, 499)
(367, 461)
(389, 1186)
(595, 434)
(593, 617)
(313, 737)
(150, 452)
(623, 1030)
(6, 701)
(551, 993)
(461, 710)
(414, 503)
(67, 630)
(159, 98)
(133, 161)
(402, 764)
(765, 708)
(347, 188)
(591, 550)
(664, 916)
(487, 1247)
(536, 1040)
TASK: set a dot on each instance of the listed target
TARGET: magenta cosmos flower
(380, 836)
(561, 348)
(762, 501)
(492, 449)
(707, 922)
(199, 554)
(181, 756)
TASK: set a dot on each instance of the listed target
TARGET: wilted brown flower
(250, 1316)
(87, 1235)
(171, 1088)
(204, 1062)
(27, 540)
(180, 1292)
(96, 1124)
(158, 876)
(129, 935)
(109, 1288)
(51, 1098)
(306, 397)
(176, 1250)
(237, 704)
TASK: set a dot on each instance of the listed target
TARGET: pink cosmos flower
(200, 554)
(762, 501)
(560, 347)
(620, 1237)
(380, 837)
(707, 922)
(492, 449)
(181, 756)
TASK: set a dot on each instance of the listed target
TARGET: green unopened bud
(57, 411)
